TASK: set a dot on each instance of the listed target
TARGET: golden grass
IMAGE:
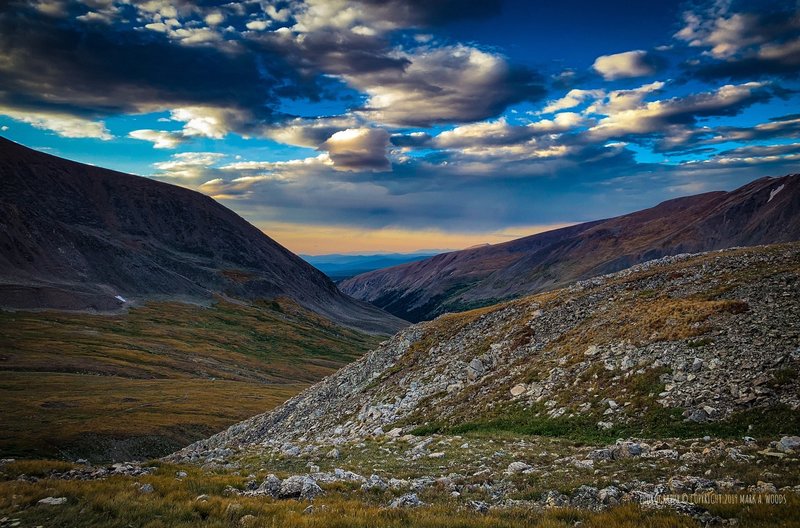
(157, 377)
(117, 502)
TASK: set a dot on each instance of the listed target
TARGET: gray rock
(271, 486)
(53, 501)
(409, 500)
(146, 488)
(299, 486)
(517, 467)
(789, 444)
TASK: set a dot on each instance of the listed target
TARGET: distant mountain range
(341, 267)
(80, 237)
(764, 211)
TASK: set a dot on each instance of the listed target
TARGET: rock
(554, 499)
(397, 432)
(479, 506)
(517, 467)
(375, 482)
(609, 495)
(181, 474)
(53, 501)
(271, 486)
(518, 389)
(605, 425)
(475, 369)
(290, 451)
(299, 486)
(438, 454)
(409, 500)
(146, 488)
(585, 497)
(333, 453)
(247, 520)
(789, 444)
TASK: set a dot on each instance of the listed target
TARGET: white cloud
(573, 98)
(190, 166)
(661, 116)
(439, 85)
(161, 139)
(64, 125)
(623, 65)
(210, 121)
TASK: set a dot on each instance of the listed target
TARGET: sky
(402, 125)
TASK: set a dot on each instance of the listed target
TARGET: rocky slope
(680, 346)
(77, 237)
(765, 211)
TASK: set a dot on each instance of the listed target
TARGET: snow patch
(120, 298)
(773, 192)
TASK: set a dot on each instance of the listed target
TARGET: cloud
(452, 84)
(91, 71)
(309, 132)
(659, 117)
(189, 166)
(637, 63)
(161, 139)
(744, 44)
(63, 124)
(358, 149)
(573, 98)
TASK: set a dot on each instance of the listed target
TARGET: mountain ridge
(469, 278)
(79, 237)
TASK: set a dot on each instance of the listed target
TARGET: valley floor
(145, 383)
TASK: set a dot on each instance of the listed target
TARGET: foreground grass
(118, 502)
(201, 500)
(145, 383)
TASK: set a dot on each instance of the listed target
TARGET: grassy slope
(149, 381)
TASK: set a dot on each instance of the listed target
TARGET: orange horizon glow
(323, 239)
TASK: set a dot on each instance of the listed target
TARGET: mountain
(678, 347)
(764, 211)
(79, 237)
(340, 267)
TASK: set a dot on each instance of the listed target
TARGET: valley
(143, 383)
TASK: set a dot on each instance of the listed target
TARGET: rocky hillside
(78, 237)
(682, 346)
(765, 211)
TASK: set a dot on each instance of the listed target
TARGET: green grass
(147, 382)
(655, 422)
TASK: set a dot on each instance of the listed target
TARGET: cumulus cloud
(189, 166)
(63, 124)
(637, 63)
(309, 132)
(161, 139)
(660, 116)
(358, 149)
(573, 98)
(444, 85)
(743, 44)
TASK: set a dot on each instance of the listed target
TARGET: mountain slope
(765, 211)
(75, 236)
(142, 383)
(678, 347)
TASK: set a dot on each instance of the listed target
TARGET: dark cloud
(57, 64)
(754, 41)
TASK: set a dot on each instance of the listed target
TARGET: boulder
(299, 487)
(409, 500)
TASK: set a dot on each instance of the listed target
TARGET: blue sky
(397, 125)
